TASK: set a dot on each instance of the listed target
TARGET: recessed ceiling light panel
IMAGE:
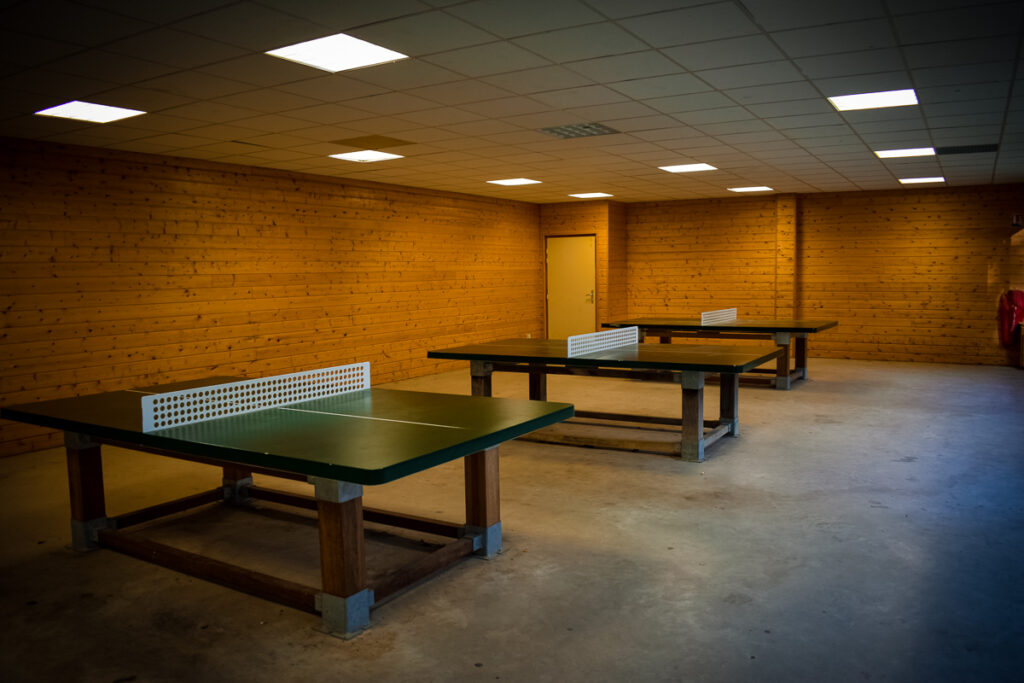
(874, 100)
(514, 181)
(366, 156)
(339, 52)
(900, 153)
(754, 188)
(915, 181)
(591, 195)
(87, 111)
(688, 168)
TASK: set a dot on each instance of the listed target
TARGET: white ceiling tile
(855, 36)
(725, 52)
(69, 21)
(660, 86)
(266, 101)
(576, 97)
(258, 69)
(440, 116)
(538, 80)
(692, 25)
(875, 82)
(459, 92)
(487, 60)
(423, 34)
(505, 107)
(175, 48)
(584, 42)
(751, 75)
(391, 103)
(967, 73)
(332, 88)
(981, 20)
(195, 84)
(694, 102)
(522, 17)
(777, 15)
(851, 63)
(957, 52)
(636, 65)
(250, 25)
(779, 92)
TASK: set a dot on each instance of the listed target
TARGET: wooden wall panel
(119, 270)
(691, 256)
(910, 275)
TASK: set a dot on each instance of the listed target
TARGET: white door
(571, 285)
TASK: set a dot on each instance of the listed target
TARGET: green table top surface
(695, 325)
(678, 357)
(370, 436)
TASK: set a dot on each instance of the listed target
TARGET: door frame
(596, 273)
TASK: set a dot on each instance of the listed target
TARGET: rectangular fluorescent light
(514, 181)
(590, 195)
(87, 111)
(688, 168)
(913, 181)
(339, 52)
(755, 188)
(366, 156)
(874, 100)
(899, 153)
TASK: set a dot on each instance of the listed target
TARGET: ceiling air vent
(579, 130)
(966, 149)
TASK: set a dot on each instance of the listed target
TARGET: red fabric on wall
(1011, 313)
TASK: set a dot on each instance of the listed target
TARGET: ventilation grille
(966, 149)
(579, 130)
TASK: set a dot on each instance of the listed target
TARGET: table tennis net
(593, 342)
(186, 406)
(724, 315)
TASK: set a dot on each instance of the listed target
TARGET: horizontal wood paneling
(691, 256)
(911, 275)
(120, 270)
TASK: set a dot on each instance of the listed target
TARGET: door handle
(589, 297)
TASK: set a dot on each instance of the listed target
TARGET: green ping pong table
(782, 332)
(616, 353)
(339, 443)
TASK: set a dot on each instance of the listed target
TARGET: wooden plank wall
(911, 275)
(122, 270)
(691, 256)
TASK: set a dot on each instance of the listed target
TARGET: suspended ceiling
(740, 85)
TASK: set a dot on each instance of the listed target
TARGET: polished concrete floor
(866, 526)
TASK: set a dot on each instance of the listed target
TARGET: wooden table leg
(345, 602)
(85, 482)
(237, 481)
(483, 506)
(800, 352)
(691, 444)
(538, 383)
(729, 402)
(782, 362)
(480, 377)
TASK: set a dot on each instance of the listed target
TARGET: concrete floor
(866, 526)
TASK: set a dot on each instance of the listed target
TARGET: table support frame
(346, 597)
